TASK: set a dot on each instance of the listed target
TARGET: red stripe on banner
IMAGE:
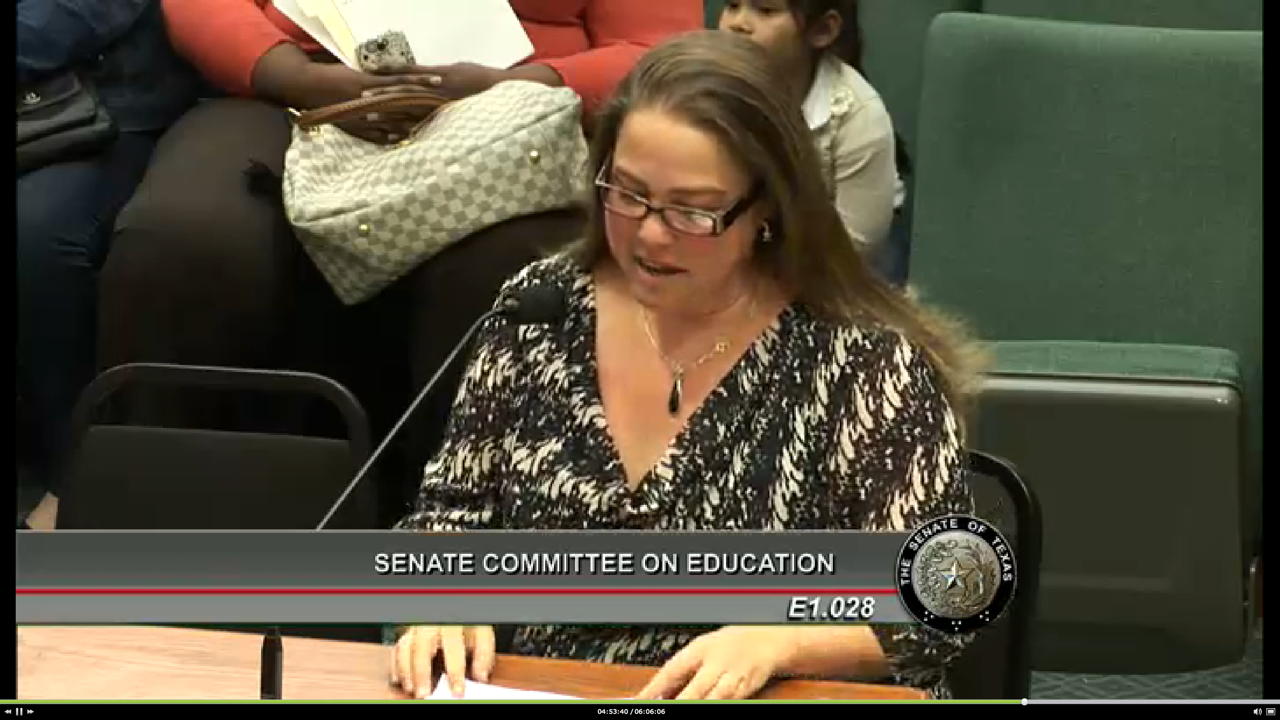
(452, 591)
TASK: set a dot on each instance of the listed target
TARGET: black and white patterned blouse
(817, 426)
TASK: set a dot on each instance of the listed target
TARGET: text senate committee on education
(605, 563)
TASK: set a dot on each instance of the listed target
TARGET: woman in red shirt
(205, 269)
(248, 48)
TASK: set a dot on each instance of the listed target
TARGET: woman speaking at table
(727, 362)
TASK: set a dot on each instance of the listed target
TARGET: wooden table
(156, 663)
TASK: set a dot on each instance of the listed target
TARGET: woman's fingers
(394, 89)
(727, 687)
(484, 646)
(701, 684)
(416, 76)
(455, 658)
(413, 658)
(425, 646)
(404, 660)
(672, 676)
(395, 665)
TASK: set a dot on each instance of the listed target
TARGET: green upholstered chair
(893, 37)
(1189, 14)
(1140, 478)
(712, 10)
(1089, 197)
(893, 34)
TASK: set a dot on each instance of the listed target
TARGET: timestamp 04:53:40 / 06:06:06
(631, 711)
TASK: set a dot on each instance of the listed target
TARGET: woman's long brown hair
(725, 85)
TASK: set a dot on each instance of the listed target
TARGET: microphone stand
(272, 675)
(430, 384)
(272, 682)
(546, 308)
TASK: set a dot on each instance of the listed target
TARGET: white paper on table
(314, 26)
(484, 691)
(443, 32)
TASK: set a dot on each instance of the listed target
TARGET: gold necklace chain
(678, 370)
(722, 344)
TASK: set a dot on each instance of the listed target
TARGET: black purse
(60, 118)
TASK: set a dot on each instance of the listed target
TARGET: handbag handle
(358, 107)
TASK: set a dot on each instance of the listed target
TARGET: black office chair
(131, 477)
(998, 662)
(134, 477)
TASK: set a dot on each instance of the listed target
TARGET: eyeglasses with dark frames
(682, 219)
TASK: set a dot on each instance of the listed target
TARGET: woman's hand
(735, 662)
(461, 80)
(726, 664)
(287, 76)
(458, 80)
(415, 653)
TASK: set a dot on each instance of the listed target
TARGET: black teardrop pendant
(673, 400)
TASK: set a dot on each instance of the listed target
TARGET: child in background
(819, 45)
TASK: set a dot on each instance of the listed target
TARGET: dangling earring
(766, 233)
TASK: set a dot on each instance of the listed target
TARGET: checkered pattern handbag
(368, 214)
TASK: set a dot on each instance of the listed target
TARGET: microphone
(538, 305)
